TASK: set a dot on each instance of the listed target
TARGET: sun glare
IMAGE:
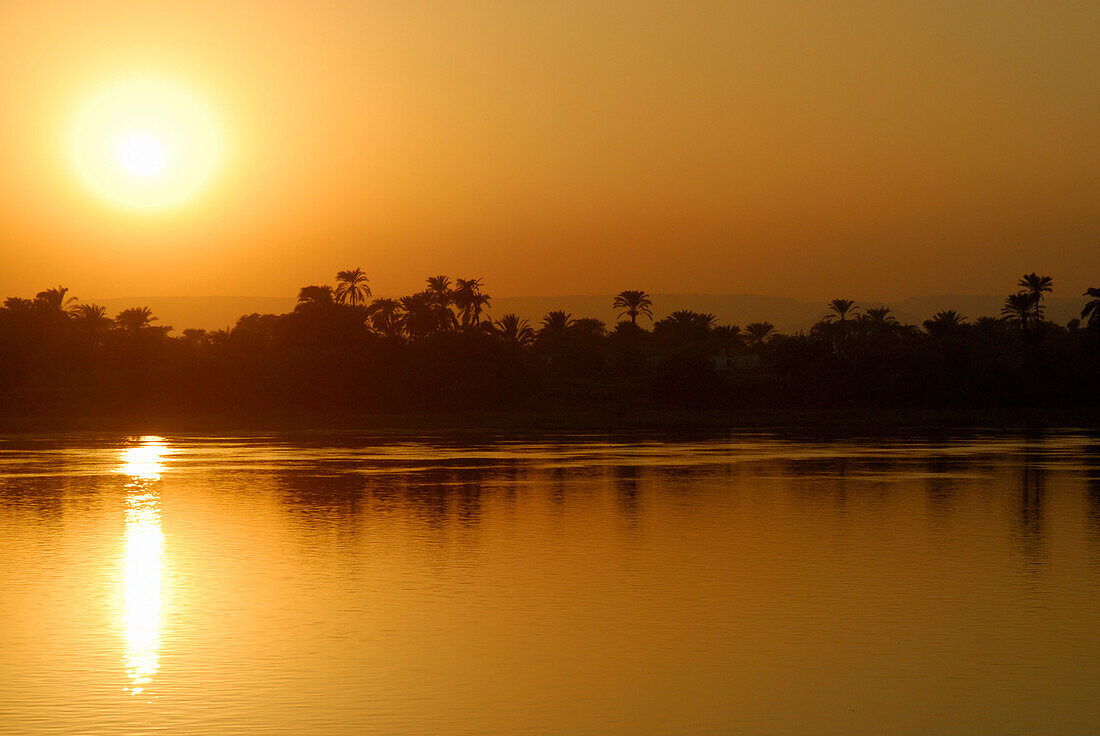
(143, 561)
(145, 145)
(141, 155)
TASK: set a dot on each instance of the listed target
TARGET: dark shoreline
(819, 422)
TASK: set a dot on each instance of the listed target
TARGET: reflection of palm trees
(351, 287)
(632, 304)
(1091, 311)
(1031, 509)
(515, 330)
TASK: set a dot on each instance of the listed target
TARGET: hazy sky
(872, 149)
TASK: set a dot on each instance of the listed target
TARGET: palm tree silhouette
(1034, 285)
(759, 332)
(439, 288)
(384, 316)
(879, 316)
(135, 319)
(314, 295)
(54, 299)
(842, 307)
(196, 337)
(632, 304)
(351, 287)
(685, 329)
(556, 321)
(90, 313)
(90, 320)
(515, 330)
(729, 336)
(423, 315)
(470, 300)
(1091, 311)
(589, 326)
(1018, 308)
(690, 318)
(944, 322)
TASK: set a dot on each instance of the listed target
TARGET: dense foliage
(339, 353)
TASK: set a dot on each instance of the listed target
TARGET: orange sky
(806, 149)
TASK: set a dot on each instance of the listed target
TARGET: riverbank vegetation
(342, 353)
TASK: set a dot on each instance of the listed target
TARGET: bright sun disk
(146, 144)
(141, 155)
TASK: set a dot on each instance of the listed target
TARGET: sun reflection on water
(143, 561)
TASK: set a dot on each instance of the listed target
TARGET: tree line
(343, 352)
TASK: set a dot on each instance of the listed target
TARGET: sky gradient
(870, 150)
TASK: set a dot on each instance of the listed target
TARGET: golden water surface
(634, 584)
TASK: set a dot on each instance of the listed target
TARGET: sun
(141, 155)
(145, 144)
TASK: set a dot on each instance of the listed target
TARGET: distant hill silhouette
(788, 315)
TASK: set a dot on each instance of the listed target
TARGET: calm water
(578, 585)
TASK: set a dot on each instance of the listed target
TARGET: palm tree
(314, 295)
(18, 304)
(879, 322)
(759, 332)
(842, 307)
(556, 321)
(1091, 312)
(54, 299)
(1034, 285)
(439, 288)
(685, 328)
(90, 319)
(88, 313)
(1017, 309)
(879, 316)
(195, 336)
(589, 326)
(632, 304)
(351, 287)
(944, 322)
(515, 330)
(424, 315)
(688, 317)
(470, 300)
(729, 336)
(416, 315)
(135, 319)
(384, 316)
